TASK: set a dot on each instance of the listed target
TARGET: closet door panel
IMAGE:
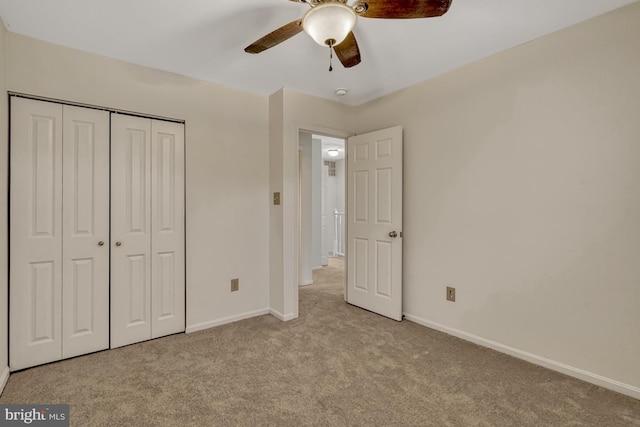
(130, 229)
(167, 218)
(36, 233)
(85, 289)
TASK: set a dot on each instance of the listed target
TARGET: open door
(374, 224)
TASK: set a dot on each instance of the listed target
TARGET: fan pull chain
(330, 58)
(330, 43)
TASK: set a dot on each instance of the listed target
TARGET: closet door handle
(100, 243)
(118, 243)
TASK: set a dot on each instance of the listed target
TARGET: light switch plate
(451, 294)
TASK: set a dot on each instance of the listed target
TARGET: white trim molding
(4, 378)
(225, 320)
(283, 317)
(590, 377)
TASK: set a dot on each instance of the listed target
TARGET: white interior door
(85, 231)
(130, 229)
(374, 224)
(59, 215)
(167, 224)
(36, 233)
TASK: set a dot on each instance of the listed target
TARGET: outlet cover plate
(235, 285)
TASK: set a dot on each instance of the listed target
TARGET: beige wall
(522, 190)
(4, 244)
(291, 112)
(227, 173)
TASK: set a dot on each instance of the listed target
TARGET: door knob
(100, 243)
(393, 234)
(118, 243)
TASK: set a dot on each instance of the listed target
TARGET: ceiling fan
(330, 23)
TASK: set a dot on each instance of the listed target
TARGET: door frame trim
(295, 256)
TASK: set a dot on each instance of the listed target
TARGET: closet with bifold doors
(96, 244)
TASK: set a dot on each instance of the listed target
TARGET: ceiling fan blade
(405, 9)
(348, 52)
(275, 37)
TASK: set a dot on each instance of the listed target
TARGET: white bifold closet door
(59, 259)
(147, 229)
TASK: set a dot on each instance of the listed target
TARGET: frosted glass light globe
(329, 23)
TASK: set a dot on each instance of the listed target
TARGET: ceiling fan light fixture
(328, 24)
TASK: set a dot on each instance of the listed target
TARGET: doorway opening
(322, 206)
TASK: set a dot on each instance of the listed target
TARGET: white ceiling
(205, 39)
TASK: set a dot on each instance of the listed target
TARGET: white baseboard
(283, 317)
(4, 378)
(580, 374)
(225, 320)
(307, 283)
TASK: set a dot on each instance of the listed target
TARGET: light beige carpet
(336, 365)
